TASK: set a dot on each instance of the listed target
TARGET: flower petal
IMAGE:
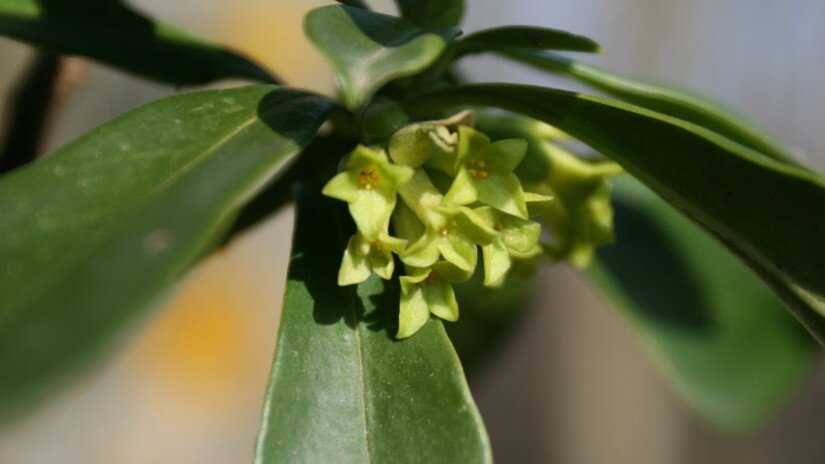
(413, 310)
(372, 211)
(496, 263)
(354, 266)
(503, 192)
(504, 155)
(343, 186)
(440, 297)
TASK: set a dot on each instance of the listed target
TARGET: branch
(30, 110)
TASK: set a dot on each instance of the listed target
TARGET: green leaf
(111, 32)
(342, 389)
(770, 214)
(432, 14)
(718, 333)
(523, 37)
(354, 4)
(367, 50)
(92, 234)
(659, 98)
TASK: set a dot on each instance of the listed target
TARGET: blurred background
(571, 386)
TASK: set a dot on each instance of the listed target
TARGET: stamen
(430, 279)
(368, 178)
(476, 168)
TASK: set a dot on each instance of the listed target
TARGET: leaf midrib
(359, 343)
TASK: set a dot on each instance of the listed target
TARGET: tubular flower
(437, 230)
(459, 191)
(462, 229)
(428, 291)
(484, 173)
(582, 217)
(370, 185)
(516, 238)
(364, 257)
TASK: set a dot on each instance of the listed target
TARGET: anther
(367, 178)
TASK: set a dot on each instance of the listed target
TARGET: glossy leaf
(113, 33)
(92, 234)
(770, 214)
(722, 338)
(659, 98)
(367, 50)
(343, 389)
(523, 37)
(432, 14)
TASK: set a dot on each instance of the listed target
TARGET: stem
(30, 111)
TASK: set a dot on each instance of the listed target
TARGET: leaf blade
(367, 50)
(96, 231)
(500, 39)
(114, 34)
(342, 388)
(432, 14)
(659, 98)
(692, 168)
(723, 339)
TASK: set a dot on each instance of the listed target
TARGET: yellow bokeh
(271, 33)
(208, 347)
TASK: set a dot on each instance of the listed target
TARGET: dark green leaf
(110, 32)
(367, 50)
(432, 14)
(718, 333)
(671, 102)
(343, 390)
(354, 3)
(523, 37)
(770, 214)
(92, 234)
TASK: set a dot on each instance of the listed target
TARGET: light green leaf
(719, 334)
(659, 98)
(92, 234)
(367, 50)
(432, 14)
(522, 37)
(770, 214)
(113, 33)
(342, 389)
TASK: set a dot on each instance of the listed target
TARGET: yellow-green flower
(428, 291)
(364, 257)
(370, 185)
(517, 238)
(437, 230)
(581, 216)
(428, 141)
(455, 241)
(484, 173)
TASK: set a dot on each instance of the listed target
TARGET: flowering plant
(417, 194)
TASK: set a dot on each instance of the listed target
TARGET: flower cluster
(433, 195)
